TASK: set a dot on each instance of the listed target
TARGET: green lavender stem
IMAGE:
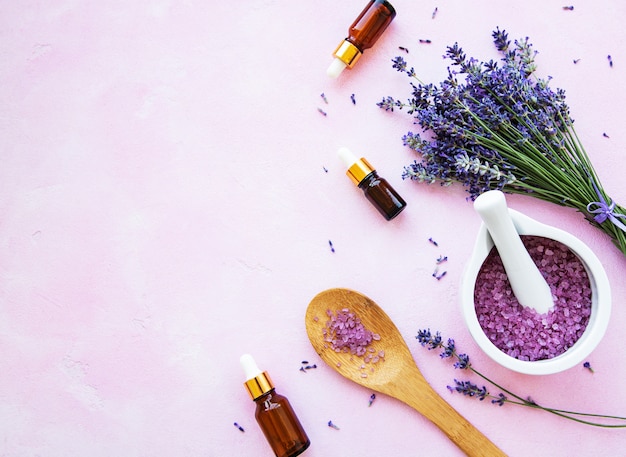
(558, 412)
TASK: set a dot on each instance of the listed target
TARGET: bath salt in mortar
(521, 332)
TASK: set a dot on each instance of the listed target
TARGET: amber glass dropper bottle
(274, 413)
(362, 34)
(376, 189)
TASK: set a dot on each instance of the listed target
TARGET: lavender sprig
(495, 125)
(433, 341)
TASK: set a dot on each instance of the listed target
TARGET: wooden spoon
(396, 374)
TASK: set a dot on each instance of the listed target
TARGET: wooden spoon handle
(467, 437)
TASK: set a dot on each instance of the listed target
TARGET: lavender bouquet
(503, 128)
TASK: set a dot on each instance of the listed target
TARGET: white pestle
(527, 282)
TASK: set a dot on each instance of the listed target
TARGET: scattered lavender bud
(331, 425)
(353, 99)
(610, 60)
(322, 112)
(433, 241)
(605, 135)
(372, 398)
(568, 8)
(402, 48)
(325, 169)
(442, 259)
(306, 366)
(441, 275)
(324, 97)
(435, 12)
(239, 427)
(426, 41)
(332, 248)
(576, 61)
(587, 365)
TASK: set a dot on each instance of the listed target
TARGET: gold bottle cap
(359, 170)
(259, 385)
(347, 53)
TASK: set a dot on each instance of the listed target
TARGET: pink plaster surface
(164, 208)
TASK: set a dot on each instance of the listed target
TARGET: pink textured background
(164, 209)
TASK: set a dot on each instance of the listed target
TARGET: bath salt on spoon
(396, 375)
(527, 282)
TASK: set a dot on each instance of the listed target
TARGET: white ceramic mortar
(600, 297)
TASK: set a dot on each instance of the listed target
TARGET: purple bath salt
(345, 333)
(520, 331)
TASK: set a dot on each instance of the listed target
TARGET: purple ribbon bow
(604, 210)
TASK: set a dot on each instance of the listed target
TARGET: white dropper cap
(257, 382)
(336, 67)
(358, 169)
(347, 156)
(250, 368)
